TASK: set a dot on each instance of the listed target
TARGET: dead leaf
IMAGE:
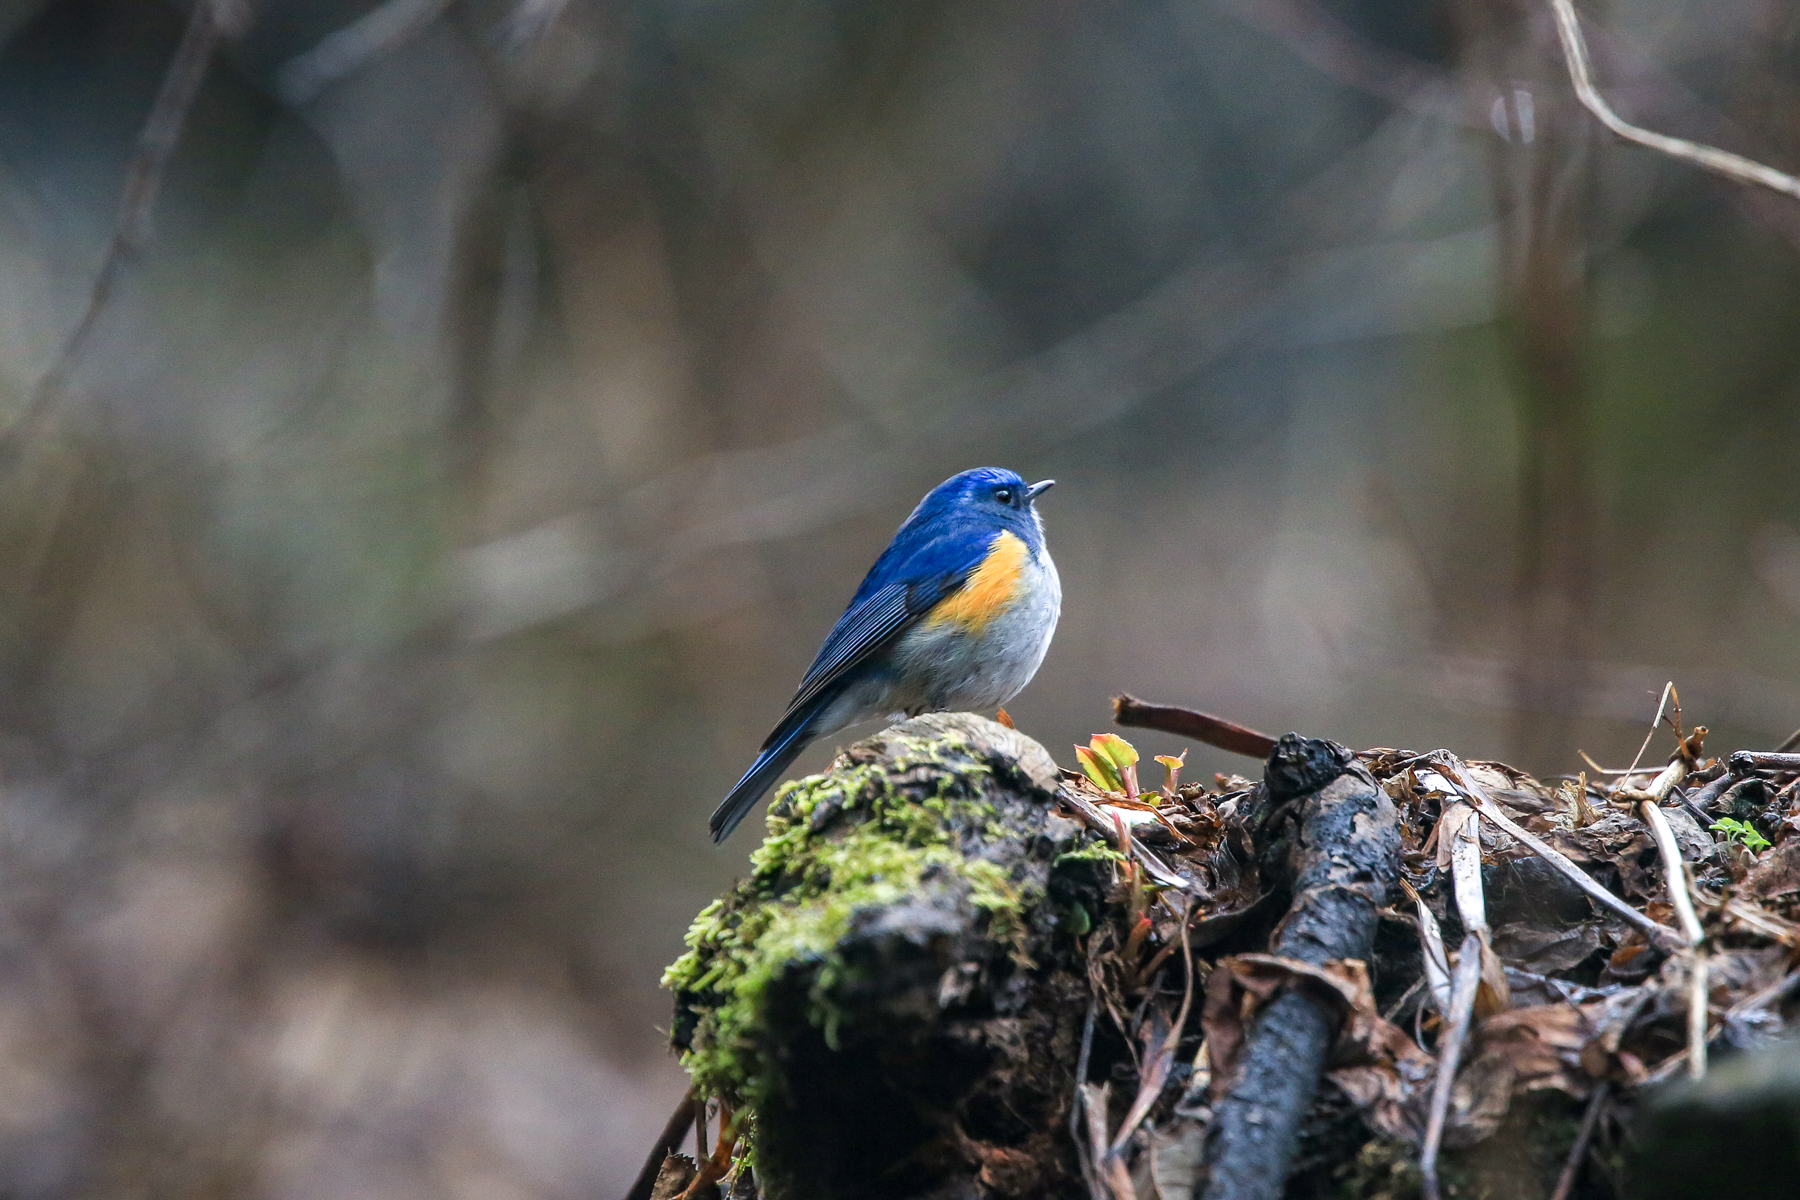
(1175, 1152)
(1548, 949)
(1776, 873)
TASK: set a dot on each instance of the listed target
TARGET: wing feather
(881, 613)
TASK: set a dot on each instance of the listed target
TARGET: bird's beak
(1038, 489)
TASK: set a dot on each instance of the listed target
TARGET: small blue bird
(956, 614)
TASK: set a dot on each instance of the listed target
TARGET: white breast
(948, 668)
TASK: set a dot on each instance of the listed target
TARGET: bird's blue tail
(794, 734)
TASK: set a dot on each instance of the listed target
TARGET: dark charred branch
(1745, 761)
(1345, 857)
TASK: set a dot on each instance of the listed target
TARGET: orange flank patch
(990, 588)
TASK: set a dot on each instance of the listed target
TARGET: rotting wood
(1345, 857)
(1137, 1088)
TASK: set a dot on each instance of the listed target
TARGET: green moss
(1093, 852)
(922, 814)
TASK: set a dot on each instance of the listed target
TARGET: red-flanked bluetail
(955, 615)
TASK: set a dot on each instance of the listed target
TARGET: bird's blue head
(991, 496)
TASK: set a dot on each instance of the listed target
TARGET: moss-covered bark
(893, 990)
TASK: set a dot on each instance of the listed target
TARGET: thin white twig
(1654, 722)
(1720, 162)
(1681, 896)
(1674, 871)
(1486, 807)
(1699, 988)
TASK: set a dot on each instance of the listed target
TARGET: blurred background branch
(1723, 162)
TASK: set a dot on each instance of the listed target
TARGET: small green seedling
(1740, 833)
(1111, 762)
(1173, 766)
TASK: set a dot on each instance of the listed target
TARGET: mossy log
(896, 991)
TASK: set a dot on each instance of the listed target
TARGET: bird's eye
(1004, 495)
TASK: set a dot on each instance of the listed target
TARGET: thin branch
(1565, 1182)
(1462, 1011)
(1078, 1105)
(1133, 713)
(1436, 958)
(673, 1131)
(1743, 762)
(144, 175)
(1159, 871)
(1704, 798)
(1699, 989)
(1581, 879)
(1774, 994)
(1680, 895)
(1720, 162)
(1465, 873)
(1654, 722)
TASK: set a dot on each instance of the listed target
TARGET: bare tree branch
(1720, 162)
(210, 20)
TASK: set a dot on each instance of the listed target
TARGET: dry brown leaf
(1776, 873)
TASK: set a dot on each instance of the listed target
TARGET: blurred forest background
(507, 394)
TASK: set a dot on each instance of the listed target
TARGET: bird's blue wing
(903, 585)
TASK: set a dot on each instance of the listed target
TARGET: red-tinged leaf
(1115, 749)
(1135, 940)
(1174, 766)
(1099, 770)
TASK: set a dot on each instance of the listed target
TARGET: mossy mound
(882, 959)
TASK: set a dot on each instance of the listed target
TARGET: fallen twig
(1186, 722)
(1703, 799)
(1769, 996)
(1743, 762)
(1694, 810)
(1565, 1182)
(1435, 956)
(1462, 1009)
(718, 1165)
(1674, 870)
(1078, 1104)
(1090, 812)
(673, 1131)
(1581, 879)
(1681, 896)
(1668, 689)
(1699, 989)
